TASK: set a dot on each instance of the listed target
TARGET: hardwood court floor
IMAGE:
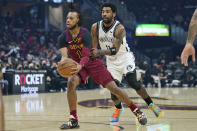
(46, 112)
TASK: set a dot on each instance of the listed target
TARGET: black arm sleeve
(87, 39)
(62, 41)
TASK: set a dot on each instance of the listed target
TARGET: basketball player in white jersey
(111, 36)
(189, 47)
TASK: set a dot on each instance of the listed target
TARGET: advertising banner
(152, 30)
(28, 81)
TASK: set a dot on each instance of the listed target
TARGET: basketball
(66, 67)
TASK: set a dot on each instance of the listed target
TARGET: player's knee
(132, 80)
(114, 97)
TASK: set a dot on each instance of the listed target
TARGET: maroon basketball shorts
(97, 71)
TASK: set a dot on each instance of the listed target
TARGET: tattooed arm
(189, 48)
(192, 31)
(119, 34)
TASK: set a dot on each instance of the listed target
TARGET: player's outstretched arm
(119, 35)
(189, 48)
(192, 31)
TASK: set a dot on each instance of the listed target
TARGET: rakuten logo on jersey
(28, 79)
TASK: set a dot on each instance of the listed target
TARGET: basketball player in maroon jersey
(76, 42)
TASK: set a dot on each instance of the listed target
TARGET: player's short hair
(79, 15)
(111, 5)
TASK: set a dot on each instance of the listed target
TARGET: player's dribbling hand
(76, 70)
(187, 51)
(94, 53)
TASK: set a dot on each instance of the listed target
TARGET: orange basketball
(64, 68)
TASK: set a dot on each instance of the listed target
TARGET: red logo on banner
(22, 79)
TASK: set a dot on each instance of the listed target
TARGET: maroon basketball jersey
(75, 46)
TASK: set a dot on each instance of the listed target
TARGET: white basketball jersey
(106, 38)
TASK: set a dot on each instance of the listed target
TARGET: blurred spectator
(189, 78)
(147, 78)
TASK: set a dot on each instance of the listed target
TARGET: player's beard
(73, 27)
(107, 20)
